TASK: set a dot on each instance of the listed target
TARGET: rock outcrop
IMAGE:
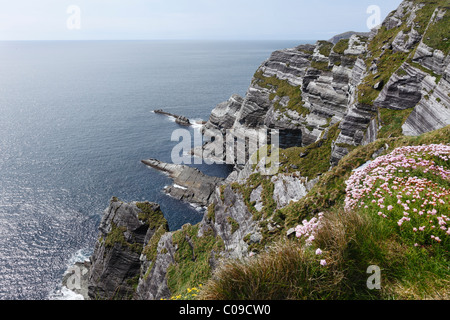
(347, 35)
(190, 184)
(181, 120)
(303, 91)
(125, 230)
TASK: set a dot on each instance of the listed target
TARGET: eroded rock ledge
(190, 184)
(181, 120)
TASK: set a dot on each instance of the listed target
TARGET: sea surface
(76, 119)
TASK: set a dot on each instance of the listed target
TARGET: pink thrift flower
(323, 263)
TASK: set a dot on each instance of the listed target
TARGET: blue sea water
(76, 119)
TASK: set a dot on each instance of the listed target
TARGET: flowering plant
(308, 231)
(409, 187)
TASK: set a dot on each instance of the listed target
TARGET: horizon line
(212, 40)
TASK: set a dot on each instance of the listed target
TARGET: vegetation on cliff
(412, 252)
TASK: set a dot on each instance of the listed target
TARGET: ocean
(76, 119)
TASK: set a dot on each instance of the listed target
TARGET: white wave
(81, 255)
(197, 207)
(64, 294)
(179, 187)
(197, 123)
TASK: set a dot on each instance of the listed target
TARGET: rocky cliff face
(402, 75)
(125, 230)
(304, 90)
(325, 99)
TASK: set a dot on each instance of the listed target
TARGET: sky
(187, 19)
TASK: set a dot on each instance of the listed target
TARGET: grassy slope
(352, 241)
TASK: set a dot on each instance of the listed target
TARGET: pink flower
(318, 252)
(323, 263)
(390, 208)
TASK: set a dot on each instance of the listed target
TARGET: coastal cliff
(337, 105)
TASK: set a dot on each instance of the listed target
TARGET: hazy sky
(185, 19)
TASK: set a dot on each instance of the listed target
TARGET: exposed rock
(347, 35)
(432, 59)
(231, 206)
(433, 110)
(181, 120)
(153, 278)
(325, 94)
(190, 184)
(224, 114)
(402, 92)
(255, 197)
(353, 128)
(290, 187)
(115, 263)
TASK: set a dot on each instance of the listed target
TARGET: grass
(253, 182)
(192, 258)
(438, 31)
(350, 241)
(325, 48)
(389, 62)
(116, 236)
(320, 65)
(426, 70)
(341, 46)
(148, 215)
(316, 156)
(330, 190)
(392, 122)
(234, 224)
(284, 272)
(387, 65)
(154, 218)
(151, 249)
(282, 88)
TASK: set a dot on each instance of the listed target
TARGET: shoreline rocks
(181, 120)
(190, 184)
